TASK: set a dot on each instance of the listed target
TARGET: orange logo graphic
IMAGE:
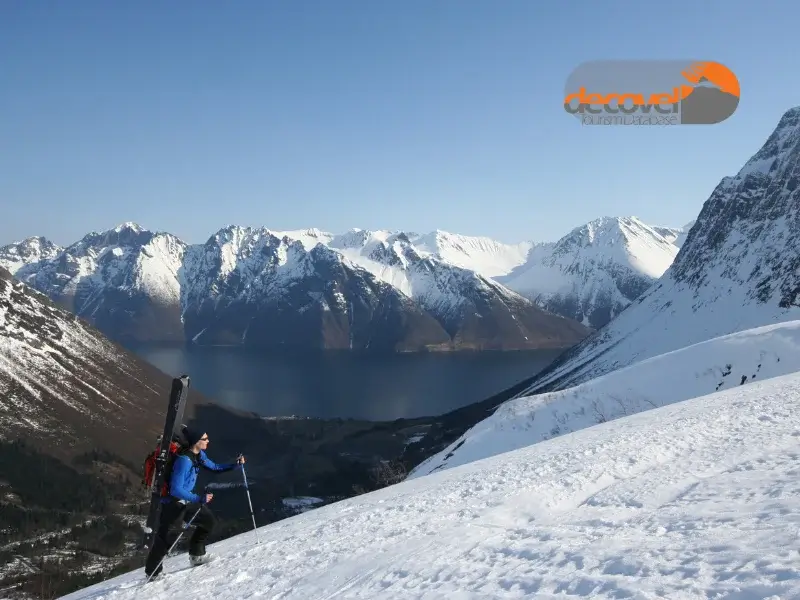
(652, 92)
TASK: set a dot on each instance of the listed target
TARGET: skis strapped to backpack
(177, 402)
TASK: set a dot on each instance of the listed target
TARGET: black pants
(172, 513)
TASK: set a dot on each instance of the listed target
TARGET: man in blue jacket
(182, 502)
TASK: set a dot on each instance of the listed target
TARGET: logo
(651, 92)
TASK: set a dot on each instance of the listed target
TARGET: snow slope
(697, 370)
(481, 254)
(694, 500)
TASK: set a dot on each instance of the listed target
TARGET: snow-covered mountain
(249, 285)
(132, 282)
(64, 386)
(595, 271)
(124, 281)
(304, 289)
(590, 275)
(738, 269)
(480, 254)
(29, 251)
(694, 500)
(428, 269)
(357, 290)
(717, 364)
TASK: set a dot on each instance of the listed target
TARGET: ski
(177, 402)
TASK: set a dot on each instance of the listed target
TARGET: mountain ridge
(245, 284)
(165, 285)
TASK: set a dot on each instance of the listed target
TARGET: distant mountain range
(366, 290)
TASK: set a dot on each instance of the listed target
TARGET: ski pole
(247, 489)
(184, 527)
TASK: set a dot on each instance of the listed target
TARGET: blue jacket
(184, 475)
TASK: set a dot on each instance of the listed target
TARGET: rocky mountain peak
(320, 253)
(29, 251)
(127, 235)
(739, 268)
(607, 231)
(747, 229)
(777, 150)
(129, 226)
(353, 239)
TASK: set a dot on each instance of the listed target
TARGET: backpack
(149, 475)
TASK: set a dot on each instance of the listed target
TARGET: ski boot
(202, 559)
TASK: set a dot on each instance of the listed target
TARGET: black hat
(192, 435)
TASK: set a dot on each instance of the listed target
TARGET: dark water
(342, 384)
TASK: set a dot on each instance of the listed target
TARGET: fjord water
(346, 385)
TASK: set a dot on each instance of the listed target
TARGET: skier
(182, 502)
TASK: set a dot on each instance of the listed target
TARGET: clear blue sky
(415, 115)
